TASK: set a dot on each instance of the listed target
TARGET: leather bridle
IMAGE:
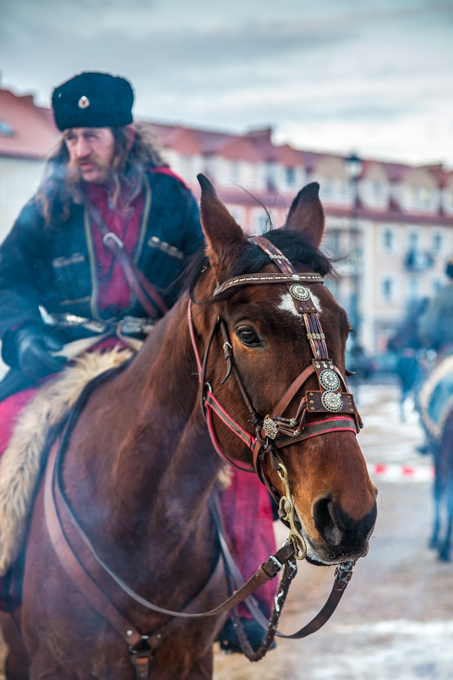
(274, 432)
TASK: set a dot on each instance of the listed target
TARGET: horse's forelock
(295, 246)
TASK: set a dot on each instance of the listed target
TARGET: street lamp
(353, 166)
(354, 170)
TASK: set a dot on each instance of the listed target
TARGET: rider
(60, 278)
(435, 328)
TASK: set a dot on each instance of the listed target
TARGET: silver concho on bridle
(300, 292)
(332, 401)
(329, 380)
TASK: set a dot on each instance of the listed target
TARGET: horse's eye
(248, 337)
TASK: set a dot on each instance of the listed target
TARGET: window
(290, 176)
(249, 173)
(236, 213)
(437, 285)
(388, 239)
(437, 243)
(413, 289)
(187, 165)
(387, 289)
(235, 171)
(448, 199)
(343, 189)
(334, 286)
(331, 243)
(6, 129)
(421, 197)
(262, 223)
(326, 188)
(378, 191)
(413, 240)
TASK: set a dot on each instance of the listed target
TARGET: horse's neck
(149, 459)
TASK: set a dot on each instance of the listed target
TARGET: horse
(140, 467)
(433, 392)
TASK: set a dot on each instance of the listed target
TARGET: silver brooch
(329, 380)
(270, 428)
(83, 102)
(299, 292)
(332, 401)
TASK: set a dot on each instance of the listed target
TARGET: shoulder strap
(145, 292)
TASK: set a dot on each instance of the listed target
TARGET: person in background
(435, 327)
(109, 219)
(408, 372)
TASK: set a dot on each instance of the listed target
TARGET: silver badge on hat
(83, 102)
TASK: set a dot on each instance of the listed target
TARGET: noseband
(332, 400)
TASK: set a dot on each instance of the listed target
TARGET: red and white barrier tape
(395, 472)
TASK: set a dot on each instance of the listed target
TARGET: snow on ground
(398, 649)
(385, 438)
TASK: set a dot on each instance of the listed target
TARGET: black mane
(293, 244)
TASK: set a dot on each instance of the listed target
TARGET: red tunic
(113, 290)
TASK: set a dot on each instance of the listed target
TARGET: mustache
(77, 162)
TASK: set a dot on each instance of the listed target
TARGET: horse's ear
(307, 215)
(223, 234)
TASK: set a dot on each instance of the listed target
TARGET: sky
(373, 76)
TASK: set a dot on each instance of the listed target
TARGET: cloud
(338, 65)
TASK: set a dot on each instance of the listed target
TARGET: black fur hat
(93, 100)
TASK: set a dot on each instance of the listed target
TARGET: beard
(102, 174)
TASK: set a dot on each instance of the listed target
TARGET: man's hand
(34, 345)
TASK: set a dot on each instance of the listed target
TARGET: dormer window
(421, 197)
(378, 191)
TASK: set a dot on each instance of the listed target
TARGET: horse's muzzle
(344, 538)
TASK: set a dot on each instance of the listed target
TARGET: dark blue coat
(55, 266)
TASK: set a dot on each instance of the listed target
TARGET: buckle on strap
(110, 236)
(141, 661)
(141, 657)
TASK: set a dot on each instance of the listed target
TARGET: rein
(78, 556)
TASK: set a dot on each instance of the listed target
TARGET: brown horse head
(333, 495)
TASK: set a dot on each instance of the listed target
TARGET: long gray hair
(60, 186)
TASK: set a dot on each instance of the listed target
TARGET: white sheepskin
(21, 463)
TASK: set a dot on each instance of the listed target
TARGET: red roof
(284, 154)
(179, 139)
(26, 131)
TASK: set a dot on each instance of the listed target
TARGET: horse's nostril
(324, 520)
(338, 528)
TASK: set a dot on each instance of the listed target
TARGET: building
(27, 133)
(389, 225)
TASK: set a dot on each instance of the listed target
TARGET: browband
(256, 279)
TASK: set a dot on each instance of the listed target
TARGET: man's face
(91, 152)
